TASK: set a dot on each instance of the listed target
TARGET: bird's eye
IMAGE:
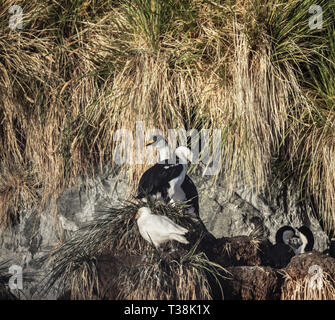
(155, 138)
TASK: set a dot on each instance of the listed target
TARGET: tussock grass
(184, 277)
(73, 264)
(300, 289)
(18, 190)
(79, 278)
(80, 70)
(313, 147)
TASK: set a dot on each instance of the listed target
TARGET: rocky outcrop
(240, 214)
(246, 211)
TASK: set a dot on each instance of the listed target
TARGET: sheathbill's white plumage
(158, 229)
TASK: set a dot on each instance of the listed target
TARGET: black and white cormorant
(169, 182)
(282, 252)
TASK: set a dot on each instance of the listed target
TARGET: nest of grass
(184, 276)
(116, 229)
(77, 276)
(301, 289)
(73, 264)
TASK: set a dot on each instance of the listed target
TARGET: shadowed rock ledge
(231, 219)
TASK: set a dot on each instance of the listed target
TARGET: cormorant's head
(285, 234)
(156, 141)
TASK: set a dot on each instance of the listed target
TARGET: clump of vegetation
(308, 289)
(74, 265)
(116, 229)
(187, 276)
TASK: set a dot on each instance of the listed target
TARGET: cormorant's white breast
(306, 238)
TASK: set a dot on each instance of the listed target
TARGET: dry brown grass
(184, 277)
(78, 71)
(17, 191)
(83, 280)
(300, 289)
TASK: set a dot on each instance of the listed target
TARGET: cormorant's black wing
(157, 178)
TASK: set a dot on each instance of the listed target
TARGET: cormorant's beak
(137, 215)
(150, 143)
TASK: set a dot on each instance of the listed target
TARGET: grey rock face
(224, 215)
(246, 211)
